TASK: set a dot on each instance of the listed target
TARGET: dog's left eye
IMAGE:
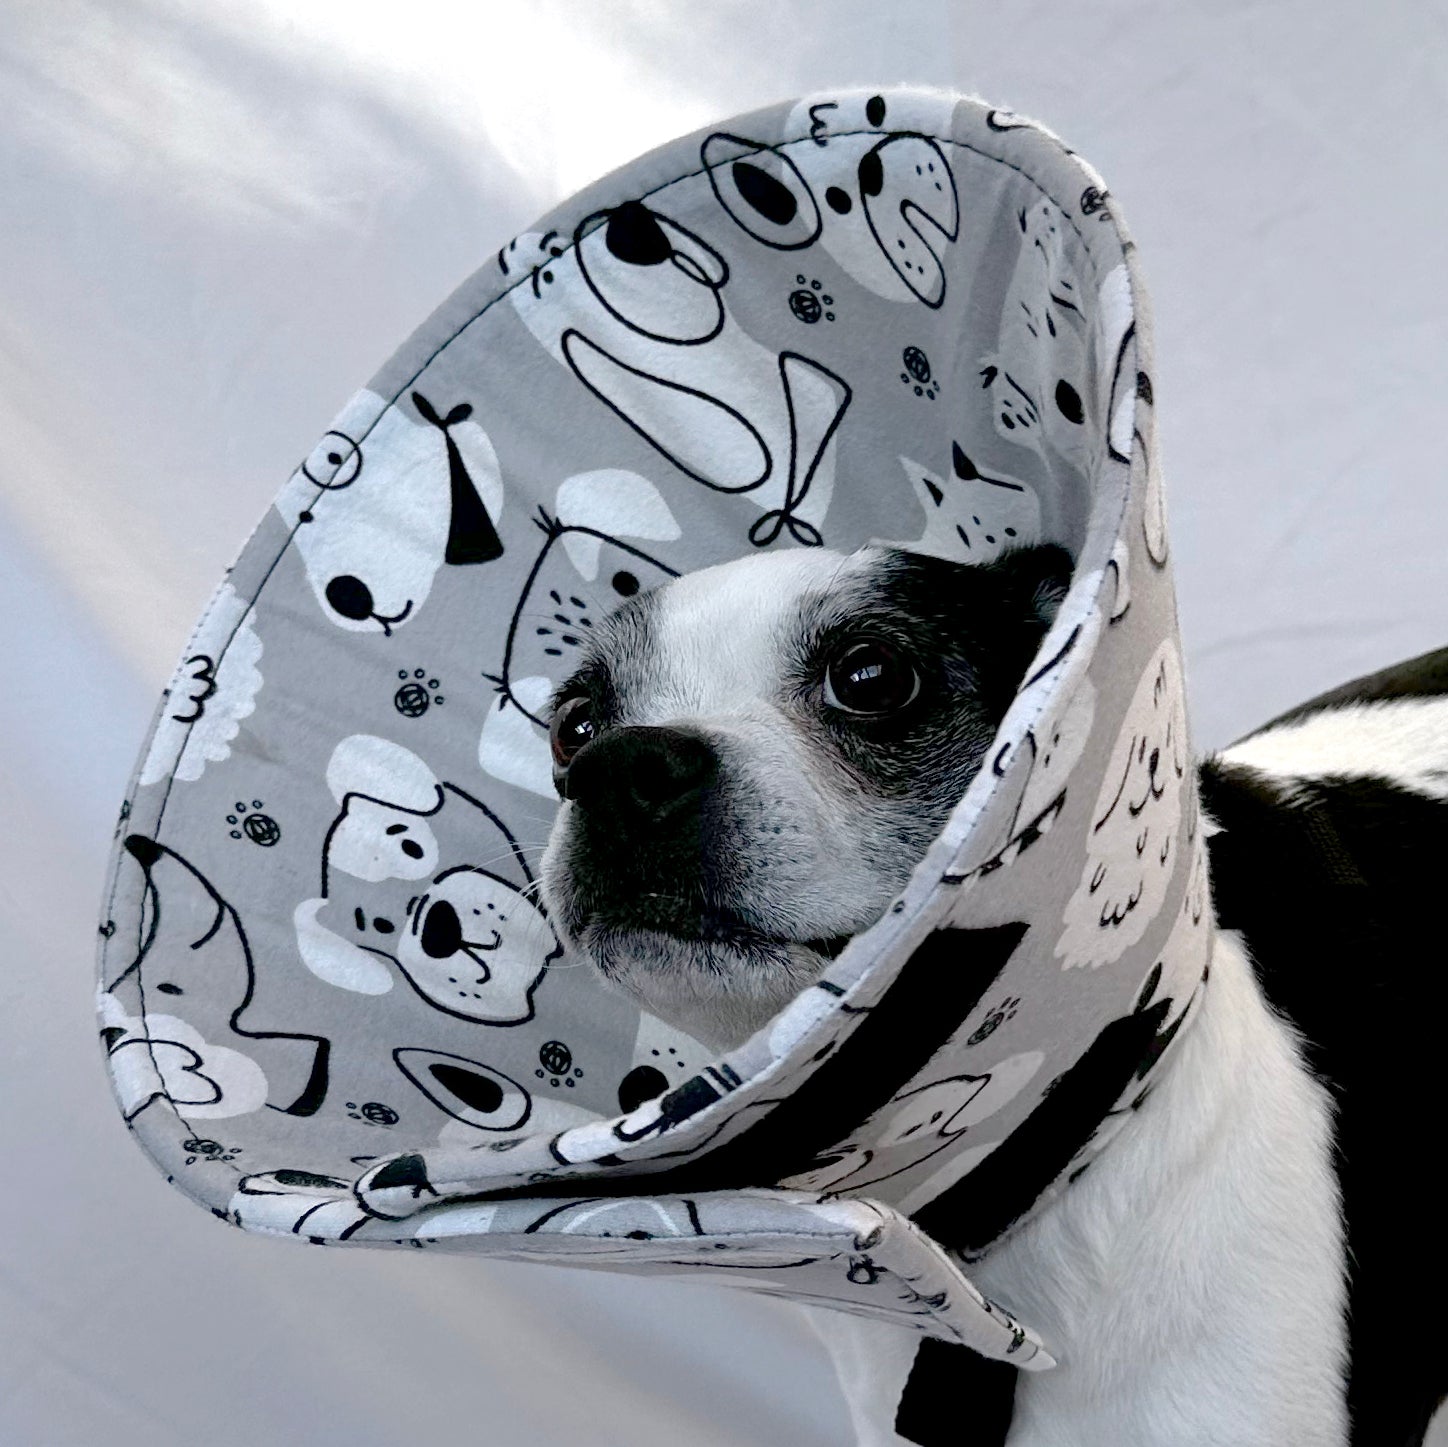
(570, 728)
(870, 677)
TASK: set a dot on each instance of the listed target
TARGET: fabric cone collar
(861, 316)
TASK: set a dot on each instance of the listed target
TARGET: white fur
(1402, 739)
(1191, 1281)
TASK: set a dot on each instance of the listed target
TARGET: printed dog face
(754, 757)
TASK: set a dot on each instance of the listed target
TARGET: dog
(752, 759)
(711, 870)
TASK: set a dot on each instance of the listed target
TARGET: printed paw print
(258, 827)
(811, 302)
(569, 619)
(416, 694)
(1006, 1010)
(557, 1065)
(372, 1112)
(917, 374)
(198, 1149)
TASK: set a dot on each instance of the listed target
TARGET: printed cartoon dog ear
(610, 502)
(510, 747)
(711, 441)
(336, 960)
(763, 192)
(651, 274)
(467, 1090)
(474, 482)
(382, 770)
(910, 202)
(816, 399)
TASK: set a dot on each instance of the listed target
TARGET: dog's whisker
(505, 854)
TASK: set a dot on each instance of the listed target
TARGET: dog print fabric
(332, 1000)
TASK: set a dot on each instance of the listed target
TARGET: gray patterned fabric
(332, 1003)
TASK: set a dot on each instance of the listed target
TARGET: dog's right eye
(570, 728)
(870, 679)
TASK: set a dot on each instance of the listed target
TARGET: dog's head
(754, 757)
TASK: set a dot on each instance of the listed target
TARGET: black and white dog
(754, 757)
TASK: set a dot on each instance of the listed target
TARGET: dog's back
(1332, 860)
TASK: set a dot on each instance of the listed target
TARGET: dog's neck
(1187, 1282)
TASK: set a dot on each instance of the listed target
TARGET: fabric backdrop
(216, 221)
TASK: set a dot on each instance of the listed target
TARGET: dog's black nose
(641, 778)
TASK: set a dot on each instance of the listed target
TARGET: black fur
(1337, 886)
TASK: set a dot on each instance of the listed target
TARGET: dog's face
(754, 757)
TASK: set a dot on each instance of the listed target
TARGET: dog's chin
(719, 990)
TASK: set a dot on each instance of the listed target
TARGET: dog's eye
(570, 728)
(870, 677)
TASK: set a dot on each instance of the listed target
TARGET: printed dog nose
(442, 931)
(640, 777)
(350, 597)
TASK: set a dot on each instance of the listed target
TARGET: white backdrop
(216, 220)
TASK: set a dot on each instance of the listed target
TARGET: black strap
(953, 1395)
(969, 1215)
